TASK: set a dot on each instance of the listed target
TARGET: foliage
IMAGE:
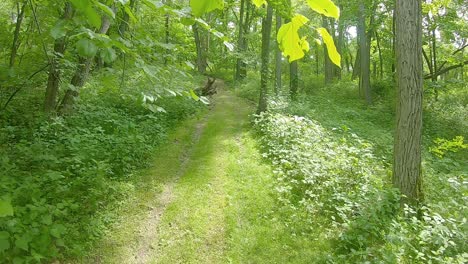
(63, 175)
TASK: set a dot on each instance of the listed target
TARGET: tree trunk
(16, 42)
(266, 34)
(293, 79)
(328, 65)
(379, 49)
(81, 74)
(278, 57)
(125, 22)
(364, 47)
(317, 60)
(240, 41)
(201, 59)
(53, 80)
(408, 136)
(167, 24)
(357, 65)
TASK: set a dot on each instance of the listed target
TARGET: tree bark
(201, 59)
(328, 65)
(53, 80)
(240, 41)
(16, 42)
(293, 79)
(278, 57)
(379, 49)
(81, 75)
(266, 34)
(408, 136)
(125, 22)
(364, 48)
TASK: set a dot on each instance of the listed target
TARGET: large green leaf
(289, 41)
(86, 48)
(325, 7)
(335, 57)
(4, 241)
(6, 209)
(200, 7)
(87, 9)
(105, 9)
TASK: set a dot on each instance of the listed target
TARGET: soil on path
(190, 207)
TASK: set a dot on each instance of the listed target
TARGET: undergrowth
(61, 176)
(332, 157)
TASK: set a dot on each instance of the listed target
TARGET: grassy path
(207, 200)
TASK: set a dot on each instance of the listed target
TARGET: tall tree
(240, 41)
(81, 73)
(265, 73)
(408, 136)
(364, 55)
(278, 57)
(21, 8)
(53, 81)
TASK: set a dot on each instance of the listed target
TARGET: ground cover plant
(233, 131)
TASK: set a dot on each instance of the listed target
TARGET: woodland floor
(206, 200)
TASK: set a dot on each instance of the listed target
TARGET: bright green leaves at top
(200, 7)
(333, 54)
(86, 7)
(259, 3)
(289, 41)
(324, 7)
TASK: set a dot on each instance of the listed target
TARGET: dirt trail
(194, 205)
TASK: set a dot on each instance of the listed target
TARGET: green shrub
(61, 175)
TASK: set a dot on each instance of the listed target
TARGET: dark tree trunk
(293, 79)
(201, 59)
(125, 22)
(328, 65)
(81, 75)
(364, 47)
(53, 81)
(278, 57)
(379, 49)
(357, 65)
(266, 35)
(240, 41)
(408, 136)
(16, 41)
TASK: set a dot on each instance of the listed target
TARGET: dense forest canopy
(360, 113)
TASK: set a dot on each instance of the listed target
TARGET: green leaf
(194, 96)
(4, 241)
(23, 242)
(290, 42)
(94, 19)
(108, 55)
(105, 9)
(59, 30)
(325, 7)
(200, 7)
(259, 3)
(335, 57)
(6, 209)
(86, 7)
(86, 48)
(57, 230)
(130, 14)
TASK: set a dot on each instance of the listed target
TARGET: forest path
(207, 199)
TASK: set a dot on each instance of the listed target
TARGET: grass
(221, 209)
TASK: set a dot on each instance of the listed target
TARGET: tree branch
(440, 72)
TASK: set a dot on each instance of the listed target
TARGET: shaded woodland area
(360, 112)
